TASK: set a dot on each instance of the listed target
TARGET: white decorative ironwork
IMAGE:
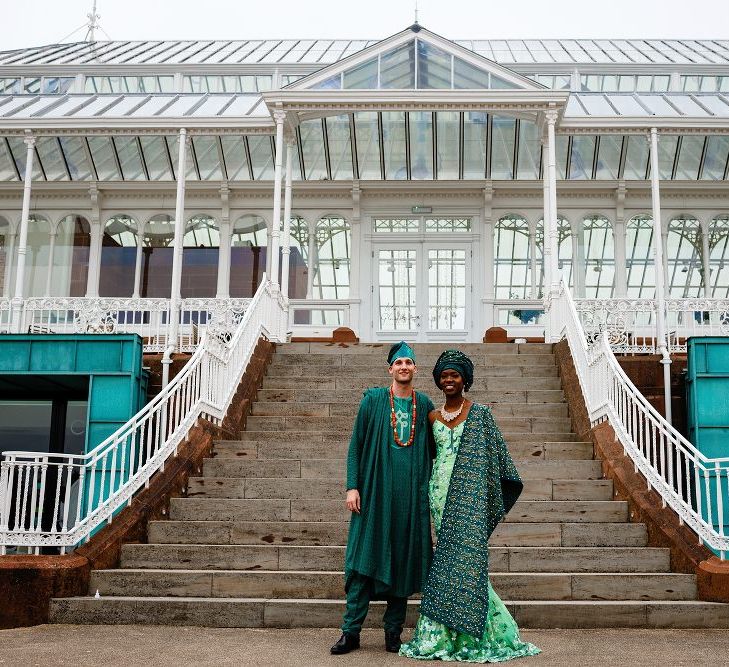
(694, 486)
(59, 500)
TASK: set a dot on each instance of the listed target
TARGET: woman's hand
(353, 502)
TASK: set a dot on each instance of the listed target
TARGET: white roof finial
(416, 12)
(92, 25)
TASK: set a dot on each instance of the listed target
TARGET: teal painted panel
(717, 357)
(14, 356)
(712, 406)
(53, 356)
(100, 356)
(715, 441)
(110, 398)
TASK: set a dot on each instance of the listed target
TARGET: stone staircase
(259, 539)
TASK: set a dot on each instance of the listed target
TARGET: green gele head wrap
(400, 350)
(457, 361)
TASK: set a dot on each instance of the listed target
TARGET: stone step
(335, 469)
(324, 489)
(511, 437)
(282, 613)
(336, 448)
(297, 395)
(331, 558)
(434, 349)
(330, 585)
(349, 408)
(341, 425)
(381, 376)
(348, 382)
(308, 530)
(427, 361)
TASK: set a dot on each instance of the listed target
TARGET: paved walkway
(128, 646)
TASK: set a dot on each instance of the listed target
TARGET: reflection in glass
(208, 158)
(397, 67)
(201, 247)
(512, 255)
(129, 157)
(683, 257)
(502, 148)
(74, 149)
(157, 257)
(715, 160)
(367, 137)
(18, 148)
(608, 156)
(421, 145)
(70, 257)
(261, 157)
(312, 145)
(333, 242)
(247, 255)
(299, 265)
(118, 256)
(666, 156)
(393, 134)
(446, 289)
(7, 166)
(103, 154)
(434, 66)
(397, 270)
(448, 126)
(362, 76)
(529, 150)
(599, 254)
(636, 158)
(583, 152)
(719, 256)
(5, 256)
(38, 256)
(156, 158)
(340, 146)
(639, 257)
(236, 160)
(467, 76)
(51, 158)
(689, 157)
(475, 128)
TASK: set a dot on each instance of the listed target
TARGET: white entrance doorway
(422, 291)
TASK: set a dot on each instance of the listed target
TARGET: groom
(389, 546)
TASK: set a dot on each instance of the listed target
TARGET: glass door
(449, 290)
(397, 310)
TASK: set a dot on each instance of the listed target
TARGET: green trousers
(359, 594)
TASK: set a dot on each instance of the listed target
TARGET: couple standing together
(392, 495)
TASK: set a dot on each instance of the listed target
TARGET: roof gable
(415, 59)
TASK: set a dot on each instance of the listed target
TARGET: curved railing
(694, 486)
(57, 500)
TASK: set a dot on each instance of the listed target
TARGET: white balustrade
(57, 500)
(319, 317)
(694, 486)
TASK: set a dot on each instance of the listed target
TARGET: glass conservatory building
(411, 187)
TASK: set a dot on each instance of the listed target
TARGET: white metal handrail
(59, 500)
(694, 486)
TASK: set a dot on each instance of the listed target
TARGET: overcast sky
(34, 22)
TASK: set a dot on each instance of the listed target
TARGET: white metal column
(553, 233)
(23, 234)
(279, 117)
(659, 273)
(175, 292)
(705, 265)
(286, 243)
(223, 287)
(92, 278)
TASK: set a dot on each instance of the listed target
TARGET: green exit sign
(422, 209)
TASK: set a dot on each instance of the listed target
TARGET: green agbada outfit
(389, 547)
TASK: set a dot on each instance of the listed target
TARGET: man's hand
(353, 504)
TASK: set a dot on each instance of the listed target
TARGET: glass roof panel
(715, 104)
(261, 150)
(498, 83)
(608, 157)
(181, 106)
(127, 103)
(51, 158)
(562, 149)
(156, 158)
(717, 152)
(7, 168)
(236, 160)
(475, 128)
(130, 158)
(666, 155)
(689, 157)
(434, 66)
(397, 67)
(448, 133)
(340, 146)
(393, 134)
(658, 105)
(18, 147)
(152, 106)
(331, 83)
(246, 105)
(95, 106)
(102, 153)
(208, 158)
(362, 76)
(687, 106)
(502, 148)
(212, 106)
(312, 148)
(597, 105)
(626, 105)
(421, 145)
(529, 151)
(173, 144)
(367, 135)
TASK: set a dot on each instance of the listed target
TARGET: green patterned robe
(389, 541)
(473, 624)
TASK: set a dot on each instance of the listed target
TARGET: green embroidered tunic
(389, 541)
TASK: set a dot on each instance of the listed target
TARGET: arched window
(70, 257)
(512, 255)
(119, 256)
(247, 255)
(684, 257)
(5, 256)
(718, 259)
(641, 283)
(298, 258)
(565, 264)
(598, 245)
(200, 257)
(157, 255)
(38, 256)
(333, 241)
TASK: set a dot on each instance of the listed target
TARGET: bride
(473, 485)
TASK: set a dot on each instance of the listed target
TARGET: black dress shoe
(345, 644)
(392, 641)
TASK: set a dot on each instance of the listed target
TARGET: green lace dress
(434, 641)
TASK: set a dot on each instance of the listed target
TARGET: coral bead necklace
(393, 420)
